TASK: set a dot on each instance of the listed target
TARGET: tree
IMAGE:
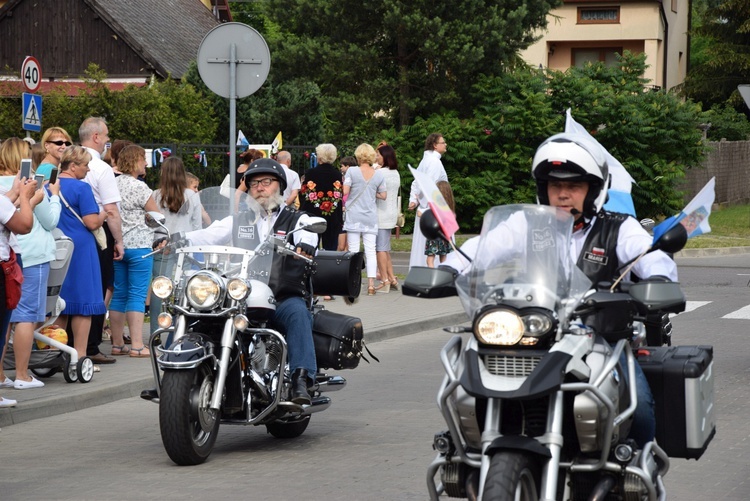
(722, 62)
(390, 61)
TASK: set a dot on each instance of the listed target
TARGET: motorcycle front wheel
(512, 475)
(288, 429)
(188, 426)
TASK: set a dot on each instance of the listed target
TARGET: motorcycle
(215, 359)
(538, 401)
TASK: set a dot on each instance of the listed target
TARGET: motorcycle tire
(288, 429)
(512, 475)
(188, 428)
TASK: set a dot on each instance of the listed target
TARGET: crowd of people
(94, 193)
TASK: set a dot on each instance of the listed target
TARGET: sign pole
(232, 120)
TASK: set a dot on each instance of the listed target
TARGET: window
(593, 55)
(598, 15)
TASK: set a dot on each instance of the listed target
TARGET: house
(131, 40)
(594, 30)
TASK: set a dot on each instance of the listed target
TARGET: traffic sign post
(31, 74)
(32, 112)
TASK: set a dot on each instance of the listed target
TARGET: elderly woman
(363, 185)
(79, 216)
(133, 272)
(322, 194)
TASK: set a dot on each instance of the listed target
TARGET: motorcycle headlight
(499, 327)
(162, 287)
(238, 289)
(537, 324)
(204, 290)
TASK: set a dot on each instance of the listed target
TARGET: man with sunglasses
(94, 136)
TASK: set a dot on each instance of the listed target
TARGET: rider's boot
(300, 394)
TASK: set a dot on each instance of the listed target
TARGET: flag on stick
(277, 144)
(242, 140)
(620, 199)
(444, 215)
(694, 217)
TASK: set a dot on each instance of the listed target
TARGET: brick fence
(729, 162)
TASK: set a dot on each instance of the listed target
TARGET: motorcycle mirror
(315, 225)
(673, 240)
(155, 219)
(430, 227)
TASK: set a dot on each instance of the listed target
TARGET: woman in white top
(362, 186)
(388, 210)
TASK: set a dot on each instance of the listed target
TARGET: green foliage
(726, 123)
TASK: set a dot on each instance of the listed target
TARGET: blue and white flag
(620, 199)
(694, 217)
(242, 140)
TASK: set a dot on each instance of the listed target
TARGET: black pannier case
(338, 273)
(682, 381)
(338, 340)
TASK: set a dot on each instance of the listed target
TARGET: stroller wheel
(45, 371)
(70, 371)
(85, 369)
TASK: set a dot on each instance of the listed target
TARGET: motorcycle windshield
(524, 258)
(221, 246)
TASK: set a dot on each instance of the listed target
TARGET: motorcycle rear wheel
(286, 429)
(512, 475)
(188, 427)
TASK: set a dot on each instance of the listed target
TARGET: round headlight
(203, 290)
(238, 289)
(537, 324)
(499, 327)
(162, 287)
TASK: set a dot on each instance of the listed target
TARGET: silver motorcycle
(215, 359)
(538, 400)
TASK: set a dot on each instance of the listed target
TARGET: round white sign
(31, 74)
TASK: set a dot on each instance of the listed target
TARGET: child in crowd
(440, 247)
(193, 182)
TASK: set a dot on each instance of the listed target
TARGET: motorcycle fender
(518, 443)
(546, 378)
(188, 352)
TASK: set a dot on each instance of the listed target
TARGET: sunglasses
(60, 143)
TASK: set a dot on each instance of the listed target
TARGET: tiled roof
(166, 33)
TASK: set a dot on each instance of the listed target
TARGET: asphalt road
(374, 443)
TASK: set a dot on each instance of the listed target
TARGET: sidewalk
(384, 316)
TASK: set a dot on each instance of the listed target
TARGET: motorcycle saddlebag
(338, 340)
(338, 273)
(682, 381)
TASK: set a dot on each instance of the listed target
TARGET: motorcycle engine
(266, 356)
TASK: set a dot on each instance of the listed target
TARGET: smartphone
(53, 176)
(39, 178)
(25, 168)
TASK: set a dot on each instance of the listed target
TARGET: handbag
(13, 280)
(99, 235)
(401, 218)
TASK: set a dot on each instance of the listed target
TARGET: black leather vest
(598, 258)
(289, 276)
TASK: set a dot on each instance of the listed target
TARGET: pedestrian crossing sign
(32, 112)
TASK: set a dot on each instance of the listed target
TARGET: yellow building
(587, 30)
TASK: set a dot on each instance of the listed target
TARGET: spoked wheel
(188, 426)
(288, 429)
(512, 475)
(85, 369)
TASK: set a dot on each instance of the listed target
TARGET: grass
(730, 227)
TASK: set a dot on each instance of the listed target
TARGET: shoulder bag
(99, 235)
(13, 280)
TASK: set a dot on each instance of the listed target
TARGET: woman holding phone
(54, 140)
(37, 249)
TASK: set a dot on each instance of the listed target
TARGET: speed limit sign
(31, 74)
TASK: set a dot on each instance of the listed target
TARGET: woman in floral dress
(321, 194)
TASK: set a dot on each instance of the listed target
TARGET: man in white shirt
(292, 178)
(94, 135)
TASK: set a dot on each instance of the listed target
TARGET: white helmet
(260, 302)
(572, 157)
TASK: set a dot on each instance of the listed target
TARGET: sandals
(371, 291)
(119, 350)
(384, 287)
(140, 352)
(394, 284)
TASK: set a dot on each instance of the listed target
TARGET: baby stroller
(48, 362)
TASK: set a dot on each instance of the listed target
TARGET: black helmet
(265, 166)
